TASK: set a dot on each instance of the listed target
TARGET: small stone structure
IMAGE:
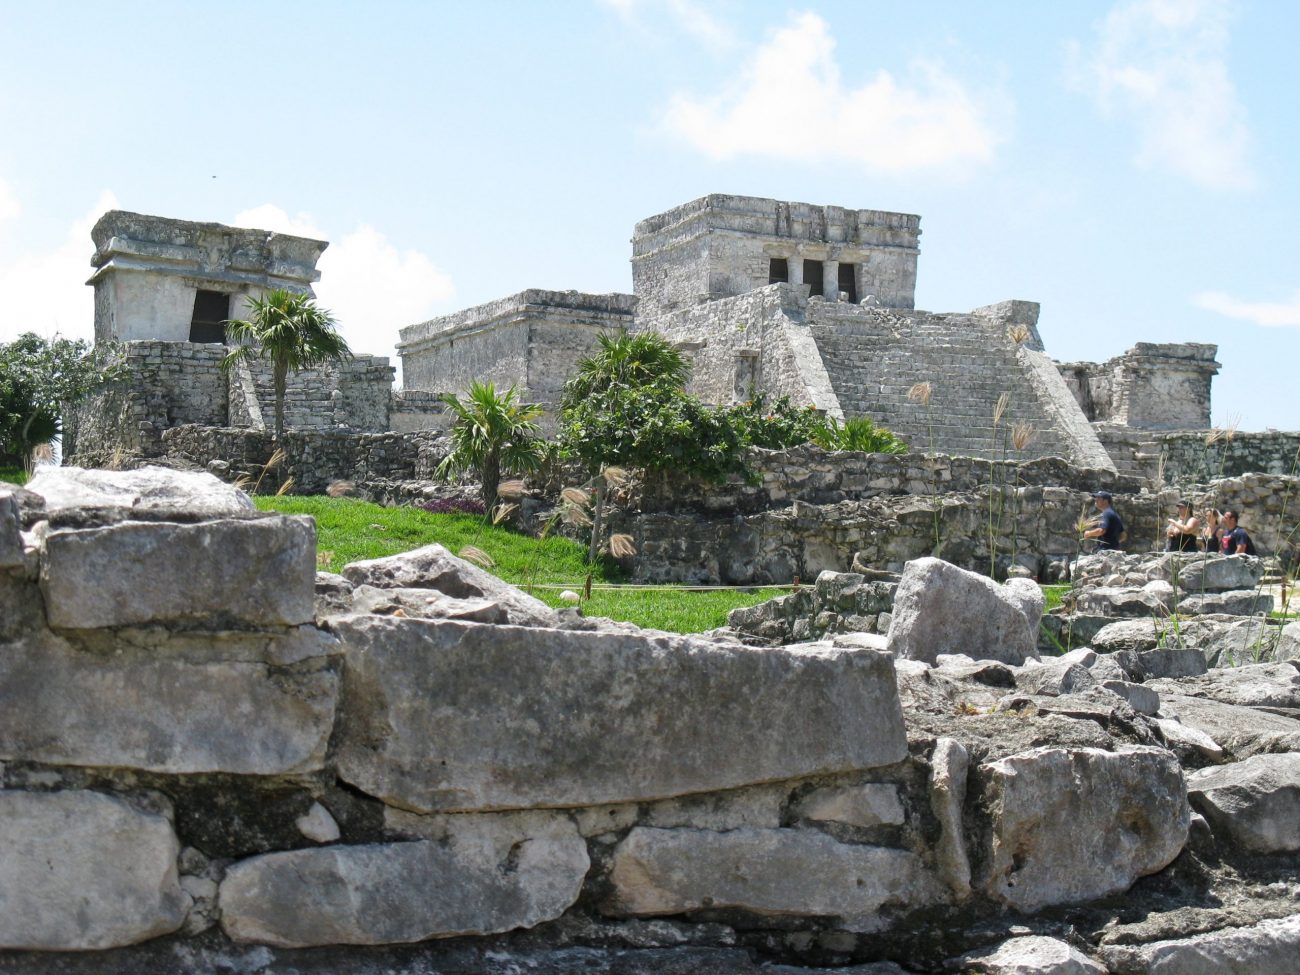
(413, 767)
(1151, 386)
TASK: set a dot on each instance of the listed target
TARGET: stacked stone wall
(351, 395)
(1152, 386)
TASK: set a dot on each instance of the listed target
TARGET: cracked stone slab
(463, 716)
(1255, 804)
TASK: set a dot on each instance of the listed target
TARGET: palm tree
(287, 328)
(627, 360)
(492, 433)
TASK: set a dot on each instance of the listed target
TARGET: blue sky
(1132, 165)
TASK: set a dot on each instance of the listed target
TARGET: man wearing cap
(1109, 529)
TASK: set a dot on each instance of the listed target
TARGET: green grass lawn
(14, 475)
(348, 530)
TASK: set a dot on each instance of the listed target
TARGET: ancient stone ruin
(217, 760)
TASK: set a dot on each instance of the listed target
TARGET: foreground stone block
(942, 609)
(464, 716)
(1219, 573)
(1268, 948)
(764, 871)
(433, 567)
(1246, 602)
(11, 543)
(82, 870)
(1254, 804)
(158, 489)
(257, 571)
(184, 704)
(387, 893)
(1073, 824)
(1239, 731)
(1031, 955)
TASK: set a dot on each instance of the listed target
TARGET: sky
(1133, 166)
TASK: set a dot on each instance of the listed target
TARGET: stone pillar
(865, 285)
(794, 267)
(831, 280)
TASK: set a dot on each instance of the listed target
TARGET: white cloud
(46, 292)
(370, 286)
(689, 16)
(1267, 314)
(1162, 65)
(791, 103)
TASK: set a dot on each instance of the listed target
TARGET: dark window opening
(778, 271)
(211, 309)
(812, 276)
(848, 282)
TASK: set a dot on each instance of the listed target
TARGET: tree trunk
(281, 373)
(491, 475)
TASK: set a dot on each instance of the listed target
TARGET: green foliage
(860, 433)
(627, 361)
(779, 425)
(11, 474)
(493, 434)
(38, 376)
(288, 329)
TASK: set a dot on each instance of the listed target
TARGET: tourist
(1236, 540)
(1110, 529)
(1184, 531)
(1212, 534)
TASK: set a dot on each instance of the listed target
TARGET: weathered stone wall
(720, 246)
(413, 767)
(351, 395)
(531, 340)
(411, 410)
(313, 459)
(1152, 386)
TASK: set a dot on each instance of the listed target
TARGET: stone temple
(817, 303)
(767, 298)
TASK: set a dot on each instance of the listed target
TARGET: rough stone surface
(1268, 948)
(143, 490)
(482, 881)
(428, 604)
(1127, 813)
(873, 804)
(765, 871)
(1246, 602)
(213, 572)
(318, 825)
(1031, 955)
(1255, 803)
(178, 704)
(82, 870)
(1223, 574)
(950, 764)
(940, 608)
(1254, 685)
(1239, 731)
(1120, 602)
(1142, 699)
(444, 715)
(433, 567)
(11, 542)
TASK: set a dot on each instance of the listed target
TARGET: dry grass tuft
(503, 511)
(621, 546)
(1019, 334)
(1022, 435)
(472, 553)
(1000, 408)
(511, 489)
(338, 489)
(575, 496)
(921, 393)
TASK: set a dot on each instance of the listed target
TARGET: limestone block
(950, 764)
(1141, 698)
(318, 825)
(11, 542)
(1254, 803)
(1268, 948)
(1030, 955)
(463, 716)
(1118, 601)
(1219, 573)
(940, 608)
(176, 706)
(428, 604)
(258, 571)
(1073, 824)
(82, 871)
(1242, 602)
(21, 608)
(146, 489)
(481, 881)
(1239, 731)
(1171, 662)
(1254, 685)
(873, 804)
(765, 871)
(1189, 743)
(433, 567)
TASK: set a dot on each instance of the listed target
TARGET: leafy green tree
(628, 361)
(288, 329)
(38, 377)
(492, 433)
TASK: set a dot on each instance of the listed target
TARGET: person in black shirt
(1183, 531)
(1110, 529)
(1236, 540)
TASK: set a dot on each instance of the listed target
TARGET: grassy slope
(14, 475)
(348, 530)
